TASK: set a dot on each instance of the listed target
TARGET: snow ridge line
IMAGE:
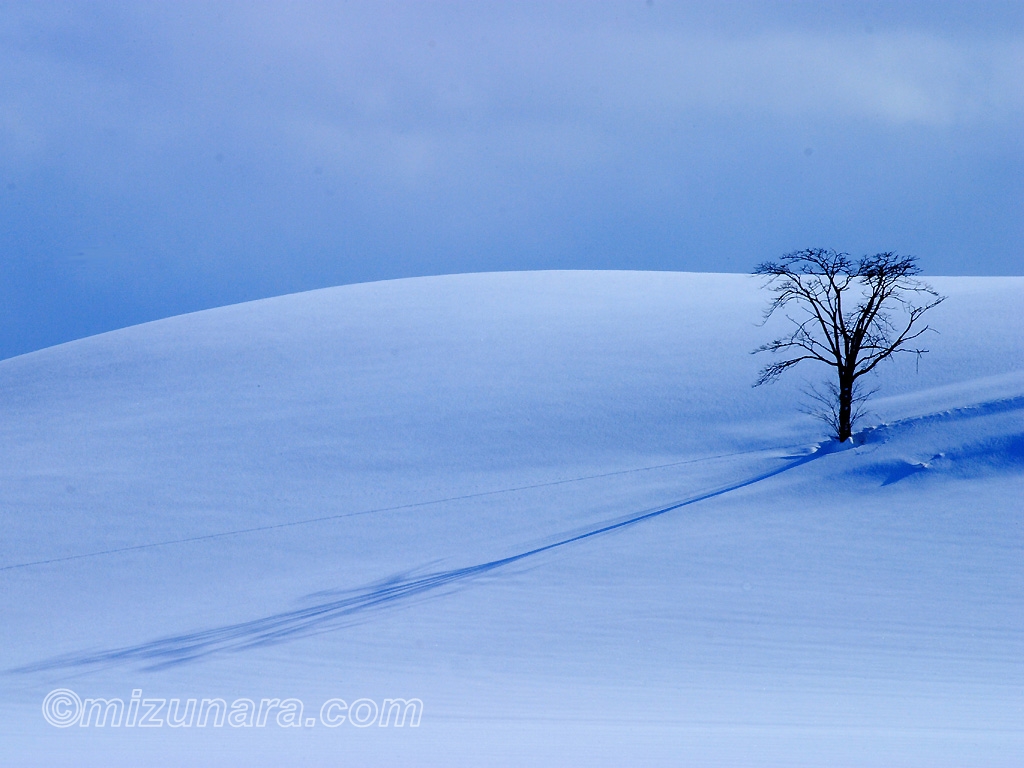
(973, 411)
(277, 628)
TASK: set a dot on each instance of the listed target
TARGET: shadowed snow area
(549, 505)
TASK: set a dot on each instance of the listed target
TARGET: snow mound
(518, 497)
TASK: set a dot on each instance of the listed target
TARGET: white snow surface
(549, 505)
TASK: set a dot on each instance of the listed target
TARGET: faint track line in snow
(331, 614)
(379, 510)
(867, 435)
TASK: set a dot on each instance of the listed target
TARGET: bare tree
(851, 316)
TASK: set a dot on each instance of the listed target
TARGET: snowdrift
(548, 505)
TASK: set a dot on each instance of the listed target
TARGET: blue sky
(158, 158)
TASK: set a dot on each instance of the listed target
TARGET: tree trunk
(845, 406)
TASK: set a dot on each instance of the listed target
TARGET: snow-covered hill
(549, 505)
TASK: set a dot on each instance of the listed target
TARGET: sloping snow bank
(549, 505)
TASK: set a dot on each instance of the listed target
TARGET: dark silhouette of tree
(851, 316)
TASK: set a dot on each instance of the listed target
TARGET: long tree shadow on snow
(332, 614)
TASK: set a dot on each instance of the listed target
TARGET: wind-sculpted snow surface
(333, 613)
(547, 506)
